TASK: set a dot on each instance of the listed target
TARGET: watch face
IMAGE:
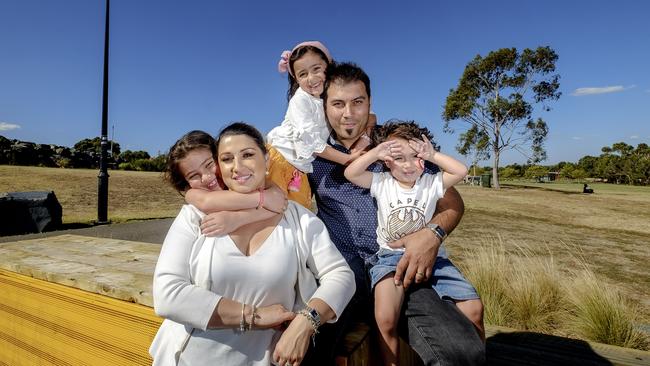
(314, 313)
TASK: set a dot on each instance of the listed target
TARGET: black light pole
(102, 188)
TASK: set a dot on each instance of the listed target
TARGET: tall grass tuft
(598, 312)
(485, 268)
(535, 293)
(524, 290)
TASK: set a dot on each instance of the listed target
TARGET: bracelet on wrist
(253, 315)
(314, 320)
(242, 322)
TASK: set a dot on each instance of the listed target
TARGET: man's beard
(349, 131)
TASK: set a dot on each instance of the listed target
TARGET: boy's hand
(423, 147)
(386, 149)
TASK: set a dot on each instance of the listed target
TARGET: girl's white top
(303, 132)
(194, 272)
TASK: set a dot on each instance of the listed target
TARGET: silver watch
(439, 231)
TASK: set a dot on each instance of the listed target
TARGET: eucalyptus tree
(495, 98)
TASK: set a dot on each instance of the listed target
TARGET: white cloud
(4, 126)
(576, 138)
(600, 90)
(634, 137)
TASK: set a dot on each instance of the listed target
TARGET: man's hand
(421, 250)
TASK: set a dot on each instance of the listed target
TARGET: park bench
(75, 300)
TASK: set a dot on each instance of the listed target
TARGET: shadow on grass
(529, 348)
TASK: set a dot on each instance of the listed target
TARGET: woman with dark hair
(225, 298)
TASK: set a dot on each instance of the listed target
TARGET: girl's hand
(275, 200)
(424, 148)
(294, 342)
(386, 149)
(272, 316)
(219, 223)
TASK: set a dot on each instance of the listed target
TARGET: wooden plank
(51, 324)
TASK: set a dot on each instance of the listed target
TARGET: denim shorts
(447, 280)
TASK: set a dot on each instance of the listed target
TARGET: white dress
(194, 272)
(401, 211)
(303, 132)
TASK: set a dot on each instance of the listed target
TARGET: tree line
(84, 154)
(620, 163)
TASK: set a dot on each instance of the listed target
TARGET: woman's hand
(272, 316)
(294, 342)
(219, 223)
(275, 200)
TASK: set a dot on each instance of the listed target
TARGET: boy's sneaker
(294, 183)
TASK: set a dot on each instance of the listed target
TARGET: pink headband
(283, 65)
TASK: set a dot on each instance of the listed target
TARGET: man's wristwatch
(439, 231)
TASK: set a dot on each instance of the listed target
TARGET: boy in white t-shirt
(406, 201)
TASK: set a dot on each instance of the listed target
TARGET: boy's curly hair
(408, 130)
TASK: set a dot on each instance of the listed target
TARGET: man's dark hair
(345, 73)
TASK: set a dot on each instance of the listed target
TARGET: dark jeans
(435, 329)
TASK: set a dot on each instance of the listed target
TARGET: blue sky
(182, 65)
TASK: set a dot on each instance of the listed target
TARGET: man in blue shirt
(435, 328)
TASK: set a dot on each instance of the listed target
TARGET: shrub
(126, 166)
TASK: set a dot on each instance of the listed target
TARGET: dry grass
(131, 195)
(608, 229)
(519, 289)
(525, 291)
(599, 312)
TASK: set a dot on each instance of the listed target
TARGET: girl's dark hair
(295, 56)
(190, 141)
(242, 128)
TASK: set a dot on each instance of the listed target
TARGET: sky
(179, 65)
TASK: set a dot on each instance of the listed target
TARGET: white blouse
(303, 132)
(194, 272)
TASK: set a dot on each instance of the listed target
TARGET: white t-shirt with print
(401, 211)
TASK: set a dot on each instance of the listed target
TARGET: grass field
(131, 195)
(609, 230)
